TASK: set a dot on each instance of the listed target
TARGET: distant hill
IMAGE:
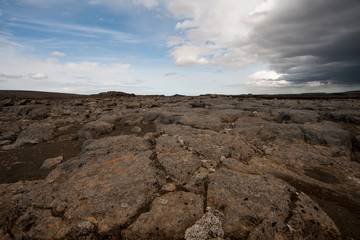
(36, 94)
(19, 94)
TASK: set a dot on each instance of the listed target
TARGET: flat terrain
(120, 166)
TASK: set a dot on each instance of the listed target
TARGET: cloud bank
(305, 42)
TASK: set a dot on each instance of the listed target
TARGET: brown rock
(168, 218)
(248, 201)
(107, 185)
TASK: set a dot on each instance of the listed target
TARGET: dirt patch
(343, 211)
(321, 175)
(24, 164)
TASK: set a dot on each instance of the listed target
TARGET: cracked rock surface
(156, 167)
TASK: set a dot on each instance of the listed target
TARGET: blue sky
(179, 46)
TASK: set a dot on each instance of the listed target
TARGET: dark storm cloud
(310, 40)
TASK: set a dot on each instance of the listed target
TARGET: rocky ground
(119, 166)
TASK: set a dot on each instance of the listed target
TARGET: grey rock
(209, 226)
(111, 117)
(328, 134)
(349, 116)
(33, 134)
(296, 116)
(38, 114)
(95, 128)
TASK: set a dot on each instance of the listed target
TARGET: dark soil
(321, 175)
(24, 164)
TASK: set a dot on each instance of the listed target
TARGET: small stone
(170, 187)
(51, 162)
(85, 224)
(163, 201)
(181, 141)
(134, 105)
(136, 129)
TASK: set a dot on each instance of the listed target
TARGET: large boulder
(263, 207)
(95, 128)
(38, 113)
(295, 116)
(33, 134)
(327, 133)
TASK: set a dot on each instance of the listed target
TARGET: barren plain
(120, 166)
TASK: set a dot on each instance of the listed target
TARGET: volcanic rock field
(120, 166)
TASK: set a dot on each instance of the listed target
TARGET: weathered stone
(198, 181)
(111, 117)
(349, 116)
(180, 165)
(248, 200)
(106, 185)
(134, 105)
(208, 227)
(38, 114)
(296, 116)
(95, 128)
(35, 133)
(51, 162)
(328, 134)
(169, 217)
(210, 144)
(136, 129)
(170, 187)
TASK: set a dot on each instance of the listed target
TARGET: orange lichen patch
(114, 160)
(118, 170)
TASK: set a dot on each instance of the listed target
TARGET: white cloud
(38, 76)
(9, 76)
(265, 74)
(58, 54)
(213, 32)
(268, 79)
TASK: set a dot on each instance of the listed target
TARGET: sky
(188, 47)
